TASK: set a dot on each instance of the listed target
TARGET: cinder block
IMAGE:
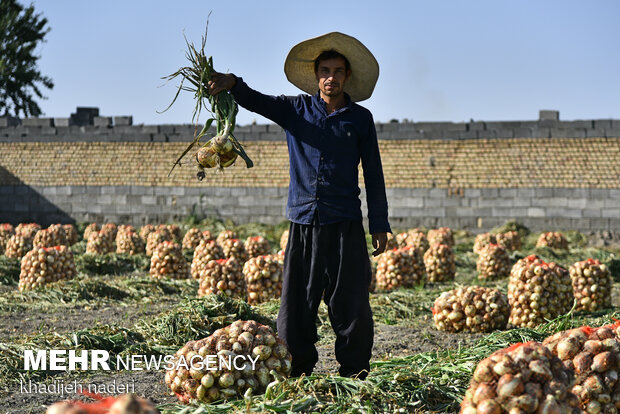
(102, 121)
(38, 122)
(149, 200)
(490, 192)
(612, 133)
(601, 123)
(437, 193)
(541, 132)
(62, 122)
(592, 212)
(564, 212)
(595, 133)
(238, 191)
(150, 129)
(123, 120)
(567, 133)
(472, 193)
(536, 212)
(522, 133)
(508, 192)
(547, 114)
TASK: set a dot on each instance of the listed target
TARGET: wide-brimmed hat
(299, 64)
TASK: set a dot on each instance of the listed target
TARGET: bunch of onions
(284, 240)
(167, 261)
(439, 263)
(71, 233)
(594, 355)
(54, 235)
(538, 291)
(44, 265)
(225, 235)
(174, 230)
(110, 229)
(235, 248)
(400, 268)
(129, 243)
(524, 378)
(263, 277)
(392, 243)
(27, 230)
(123, 404)
(510, 240)
(91, 228)
(592, 285)
(552, 239)
(483, 240)
(493, 262)
(471, 309)
(257, 246)
(155, 238)
(124, 228)
(417, 238)
(442, 235)
(223, 276)
(241, 338)
(6, 231)
(18, 246)
(99, 243)
(145, 231)
(206, 251)
(193, 237)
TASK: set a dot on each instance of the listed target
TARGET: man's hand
(220, 82)
(379, 241)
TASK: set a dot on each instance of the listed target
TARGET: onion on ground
(129, 243)
(6, 231)
(234, 248)
(224, 235)
(27, 230)
(439, 263)
(123, 404)
(400, 268)
(284, 240)
(511, 241)
(54, 235)
(100, 243)
(193, 237)
(554, 240)
(168, 261)
(44, 265)
(91, 228)
(17, 246)
(592, 285)
(145, 231)
(223, 276)
(471, 309)
(483, 240)
(257, 246)
(524, 378)
(493, 262)
(206, 251)
(442, 235)
(155, 238)
(263, 277)
(242, 340)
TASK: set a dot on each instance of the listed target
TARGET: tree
(21, 30)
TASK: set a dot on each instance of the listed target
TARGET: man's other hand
(379, 241)
(220, 82)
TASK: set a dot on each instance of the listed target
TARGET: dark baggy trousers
(329, 262)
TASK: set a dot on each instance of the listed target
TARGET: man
(327, 135)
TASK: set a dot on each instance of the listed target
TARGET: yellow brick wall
(476, 163)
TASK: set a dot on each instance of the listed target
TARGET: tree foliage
(21, 30)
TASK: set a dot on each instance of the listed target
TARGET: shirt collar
(321, 103)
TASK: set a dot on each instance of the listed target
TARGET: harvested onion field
(113, 304)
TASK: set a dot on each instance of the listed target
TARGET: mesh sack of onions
(52, 236)
(263, 277)
(246, 340)
(471, 309)
(129, 243)
(125, 228)
(168, 261)
(110, 229)
(192, 239)
(284, 240)
(225, 235)
(44, 265)
(71, 234)
(483, 240)
(17, 246)
(222, 276)
(123, 404)
(206, 251)
(145, 231)
(6, 231)
(510, 240)
(400, 268)
(439, 263)
(91, 228)
(27, 230)
(175, 231)
(442, 235)
(493, 262)
(155, 238)
(416, 238)
(538, 291)
(524, 378)
(401, 239)
(552, 239)
(592, 285)
(257, 246)
(392, 243)
(234, 248)
(594, 355)
(99, 243)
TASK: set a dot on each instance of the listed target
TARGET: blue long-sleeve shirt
(324, 153)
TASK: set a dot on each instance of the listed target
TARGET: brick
(490, 192)
(38, 122)
(123, 121)
(601, 123)
(102, 121)
(612, 133)
(567, 133)
(536, 212)
(564, 212)
(547, 114)
(591, 212)
(150, 129)
(595, 133)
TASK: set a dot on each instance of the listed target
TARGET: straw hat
(299, 64)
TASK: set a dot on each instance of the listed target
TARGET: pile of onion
(400, 268)
(27, 230)
(206, 251)
(234, 248)
(52, 236)
(44, 265)
(167, 261)
(263, 277)
(493, 262)
(6, 231)
(592, 285)
(284, 240)
(524, 378)
(439, 263)
(91, 228)
(240, 339)
(224, 235)
(442, 235)
(223, 276)
(100, 243)
(538, 291)
(193, 237)
(110, 229)
(554, 240)
(145, 231)
(257, 246)
(18, 246)
(509, 240)
(471, 309)
(155, 238)
(129, 242)
(483, 240)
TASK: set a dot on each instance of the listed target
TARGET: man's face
(332, 75)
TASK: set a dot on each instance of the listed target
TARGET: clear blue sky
(439, 60)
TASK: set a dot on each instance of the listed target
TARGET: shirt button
(322, 158)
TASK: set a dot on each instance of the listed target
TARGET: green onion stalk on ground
(222, 150)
